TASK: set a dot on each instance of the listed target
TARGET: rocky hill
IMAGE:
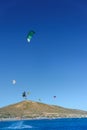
(30, 109)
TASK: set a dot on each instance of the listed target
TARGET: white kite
(13, 82)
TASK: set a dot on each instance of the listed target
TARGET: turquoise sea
(45, 124)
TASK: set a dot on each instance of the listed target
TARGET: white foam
(28, 39)
(18, 125)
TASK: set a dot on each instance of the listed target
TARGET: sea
(45, 124)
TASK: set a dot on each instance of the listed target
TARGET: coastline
(39, 118)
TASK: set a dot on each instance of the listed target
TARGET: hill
(30, 109)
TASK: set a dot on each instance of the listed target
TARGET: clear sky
(55, 61)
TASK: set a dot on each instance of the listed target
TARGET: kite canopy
(28, 93)
(24, 94)
(54, 96)
(13, 81)
(30, 35)
(39, 99)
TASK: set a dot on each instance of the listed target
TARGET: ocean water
(45, 124)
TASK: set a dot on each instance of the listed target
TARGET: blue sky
(55, 61)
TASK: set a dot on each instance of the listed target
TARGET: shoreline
(38, 118)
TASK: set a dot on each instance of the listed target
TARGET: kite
(54, 96)
(28, 93)
(13, 82)
(39, 99)
(24, 94)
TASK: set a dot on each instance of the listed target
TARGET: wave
(19, 125)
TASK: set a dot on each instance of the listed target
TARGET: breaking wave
(18, 125)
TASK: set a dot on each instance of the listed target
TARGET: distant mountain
(30, 109)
